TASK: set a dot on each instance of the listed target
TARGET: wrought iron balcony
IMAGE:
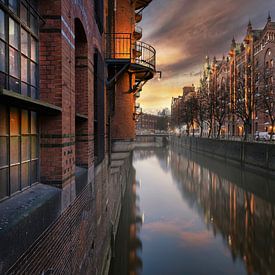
(138, 17)
(123, 48)
(137, 32)
(140, 4)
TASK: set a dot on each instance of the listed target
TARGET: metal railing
(122, 46)
(138, 29)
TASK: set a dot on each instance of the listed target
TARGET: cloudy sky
(185, 31)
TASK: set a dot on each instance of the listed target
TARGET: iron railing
(122, 46)
(138, 29)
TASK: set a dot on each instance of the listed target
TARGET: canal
(187, 214)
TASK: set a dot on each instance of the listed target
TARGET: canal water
(188, 214)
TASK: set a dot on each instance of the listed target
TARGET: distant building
(147, 122)
(177, 106)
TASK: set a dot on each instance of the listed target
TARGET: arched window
(81, 96)
(99, 103)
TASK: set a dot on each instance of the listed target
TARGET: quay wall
(259, 156)
(77, 240)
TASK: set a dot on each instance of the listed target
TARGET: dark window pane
(2, 25)
(3, 120)
(4, 151)
(24, 42)
(2, 57)
(24, 89)
(25, 175)
(14, 179)
(25, 122)
(34, 171)
(33, 74)
(14, 63)
(14, 121)
(34, 147)
(13, 4)
(33, 123)
(3, 183)
(14, 85)
(33, 49)
(34, 24)
(25, 148)
(24, 69)
(14, 150)
(23, 13)
(34, 92)
(13, 33)
(2, 80)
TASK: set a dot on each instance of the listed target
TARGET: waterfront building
(251, 80)
(147, 122)
(70, 71)
(178, 108)
(242, 84)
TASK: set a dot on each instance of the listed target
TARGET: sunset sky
(184, 31)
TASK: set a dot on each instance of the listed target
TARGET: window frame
(21, 162)
(31, 36)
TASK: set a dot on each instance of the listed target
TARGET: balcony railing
(138, 32)
(123, 47)
(138, 17)
(142, 3)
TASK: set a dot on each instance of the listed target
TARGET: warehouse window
(99, 10)
(19, 48)
(19, 150)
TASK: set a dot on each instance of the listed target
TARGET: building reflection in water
(126, 254)
(235, 204)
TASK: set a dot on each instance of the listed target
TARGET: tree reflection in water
(237, 204)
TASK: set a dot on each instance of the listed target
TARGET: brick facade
(65, 220)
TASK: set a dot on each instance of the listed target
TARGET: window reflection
(19, 150)
(33, 49)
(4, 151)
(13, 33)
(2, 57)
(14, 63)
(33, 74)
(14, 121)
(21, 73)
(24, 42)
(24, 69)
(13, 4)
(2, 25)
(24, 13)
(14, 179)
(4, 183)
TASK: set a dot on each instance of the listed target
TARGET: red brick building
(177, 106)
(147, 122)
(252, 71)
(245, 82)
(65, 94)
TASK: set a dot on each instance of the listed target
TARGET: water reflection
(128, 243)
(202, 216)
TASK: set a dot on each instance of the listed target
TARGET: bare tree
(265, 93)
(203, 104)
(244, 100)
(189, 113)
(221, 102)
